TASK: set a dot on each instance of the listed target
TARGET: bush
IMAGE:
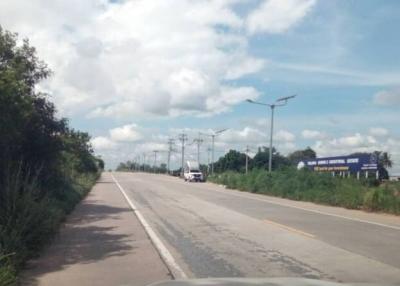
(7, 272)
(383, 198)
(305, 185)
(45, 166)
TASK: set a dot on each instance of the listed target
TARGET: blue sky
(134, 73)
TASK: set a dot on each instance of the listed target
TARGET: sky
(134, 73)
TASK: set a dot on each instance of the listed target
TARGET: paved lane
(213, 232)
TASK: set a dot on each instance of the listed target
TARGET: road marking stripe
(169, 260)
(309, 210)
(289, 228)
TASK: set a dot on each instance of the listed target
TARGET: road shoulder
(101, 243)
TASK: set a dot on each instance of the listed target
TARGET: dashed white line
(169, 260)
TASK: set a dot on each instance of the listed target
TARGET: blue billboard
(353, 164)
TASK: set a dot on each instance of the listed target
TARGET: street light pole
(212, 154)
(155, 160)
(247, 158)
(212, 146)
(170, 143)
(198, 143)
(270, 138)
(183, 138)
(279, 102)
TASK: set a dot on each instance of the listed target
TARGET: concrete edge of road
(170, 262)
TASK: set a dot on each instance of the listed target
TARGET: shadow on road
(87, 236)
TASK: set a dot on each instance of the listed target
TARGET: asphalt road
(214, 232)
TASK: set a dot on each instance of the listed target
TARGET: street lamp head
(250, 100)
(220, 131)
(286, 98)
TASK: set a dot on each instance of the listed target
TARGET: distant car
(192, 173)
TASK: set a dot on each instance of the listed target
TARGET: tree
(45, 167)
(232, 161)
(300, 155)
(261, 159)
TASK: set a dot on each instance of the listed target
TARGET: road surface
(214, 232)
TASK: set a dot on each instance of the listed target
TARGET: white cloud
(313, 134)
(388, 97)
(378, 131)
(139, 57)
(348, 144)
(101, 143)
(246, 135)
(277, 16)
(126, 133)
(245, 66)
(284, 136)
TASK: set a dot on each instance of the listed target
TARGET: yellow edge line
(289, 228)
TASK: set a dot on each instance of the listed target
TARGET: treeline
(46, 167)
(130, 166)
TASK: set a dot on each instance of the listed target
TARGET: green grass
(29, 221)
(320, 188)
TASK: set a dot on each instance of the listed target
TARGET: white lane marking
(309, 210)
(169, 260)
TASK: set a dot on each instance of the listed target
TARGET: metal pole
(198, 141)
(183, 138)
(170, 142)
(155, 160)
(212, 155)
(208, 160)
(247, 158)
(270, 139)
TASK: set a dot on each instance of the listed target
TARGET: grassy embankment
(319, 188)
(31, 221)
(46, 167)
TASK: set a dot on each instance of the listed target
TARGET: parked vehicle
(192, 172)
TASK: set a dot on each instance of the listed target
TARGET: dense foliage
(310, 186)
(45, 166)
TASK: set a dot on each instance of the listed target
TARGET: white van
(192, 172)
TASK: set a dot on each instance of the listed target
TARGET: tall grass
(315, 187)
(29, 218)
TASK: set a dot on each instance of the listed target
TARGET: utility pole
(183, 138)
(170, 143)
(247, 158)
(144, 162)
(212, 145)
(198, 142)
(208, 159)
(278, 103)
(155, 160)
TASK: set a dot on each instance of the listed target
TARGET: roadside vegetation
(46, 167)
(305, 185)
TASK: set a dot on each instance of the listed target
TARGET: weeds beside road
(29, 223)
(46, 167)
(320, 188)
